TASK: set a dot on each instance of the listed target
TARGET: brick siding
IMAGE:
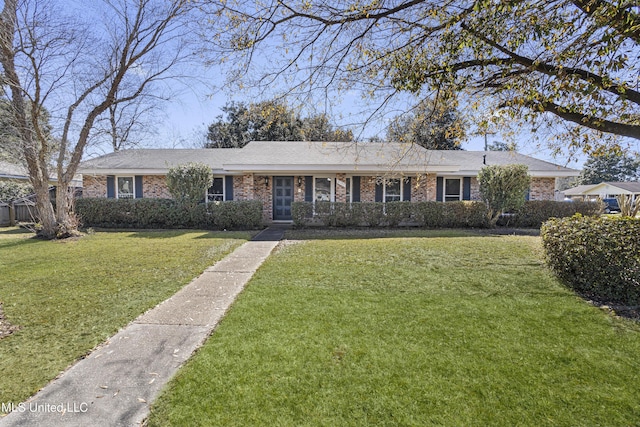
(542, 189)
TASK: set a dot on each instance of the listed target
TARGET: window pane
(392, 190)
(452, 187)
(323, 190)
(215, 193)
(125, 187)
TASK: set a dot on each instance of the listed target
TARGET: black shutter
(138, 185)
(439, 189)
(355, 191)
(111, 186)
(308, 189)
(527, 194)
(379, 189)
(406, 189)
(466, 188)
(228, 187)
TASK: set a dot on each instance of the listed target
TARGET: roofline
(112, 171)
(262, 168)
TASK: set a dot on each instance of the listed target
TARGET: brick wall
(542, 189)
(155, 187)
(423, 188)
(94, 186)
(368, 189)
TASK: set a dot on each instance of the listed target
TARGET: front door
(282, 197)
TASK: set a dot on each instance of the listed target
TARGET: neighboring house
(279, 173)
(13, 172)
(604, 190)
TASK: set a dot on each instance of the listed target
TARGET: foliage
(597, 257)
(68, 298)
(503, 188)
(188, 183)
(371, 214)
(546, 62)
(419, 328)
(533, 213)
(432, 125)
(502, 146)
(166, 213)
(609, 167)
(269, 121)
(11, 190)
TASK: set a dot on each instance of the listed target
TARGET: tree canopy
(431, 125)
(609, 167)
(566, 63)
(269, 121)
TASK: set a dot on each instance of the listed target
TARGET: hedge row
(430, 214)
(423, 214)
(597, 257)
(535, 212)
(166, 213)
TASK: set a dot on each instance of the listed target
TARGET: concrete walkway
(117, 382)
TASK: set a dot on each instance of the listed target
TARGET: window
(392, 190)
(215, 193)
(323, 190)
(452, 190)
(125, 187)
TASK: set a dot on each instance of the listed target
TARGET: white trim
(117, 186)
(224, 189)
(332, 181)
(460, 188)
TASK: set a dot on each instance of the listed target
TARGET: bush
(167, 213)
(393, 214)
(535, 212)
(188, 183)
(597, 257)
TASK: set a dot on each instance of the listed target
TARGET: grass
(444, 329)
(69, 296)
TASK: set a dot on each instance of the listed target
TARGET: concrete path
(116, 383)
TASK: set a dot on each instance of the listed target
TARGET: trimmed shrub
(188, 183)
(393, 214)
(597, 257)
(167, 213)
(535, 212)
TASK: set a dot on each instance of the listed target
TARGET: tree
(188, 183)
(559, 62)
(502, 146)
(79, 69)
(269, 121)
(503, 188)
(609, 167)
(434, 126)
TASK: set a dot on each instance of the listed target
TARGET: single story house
(13, 172)
(604, 190)
(279, 173)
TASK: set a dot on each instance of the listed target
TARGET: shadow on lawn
(198, 234)
(378, 233)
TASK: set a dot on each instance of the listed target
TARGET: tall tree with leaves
(610, 167)
(434, 126)
(269, 121)
(561, 62)
(79, 69)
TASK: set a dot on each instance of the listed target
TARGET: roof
(155, 161)
(12, 171)
(604, 188)
(318, 157)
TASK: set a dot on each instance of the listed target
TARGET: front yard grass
(455, 329)
(69, 296)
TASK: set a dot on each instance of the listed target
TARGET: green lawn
(454, 329)
(69, 296)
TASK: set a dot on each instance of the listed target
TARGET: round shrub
(597, 257)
